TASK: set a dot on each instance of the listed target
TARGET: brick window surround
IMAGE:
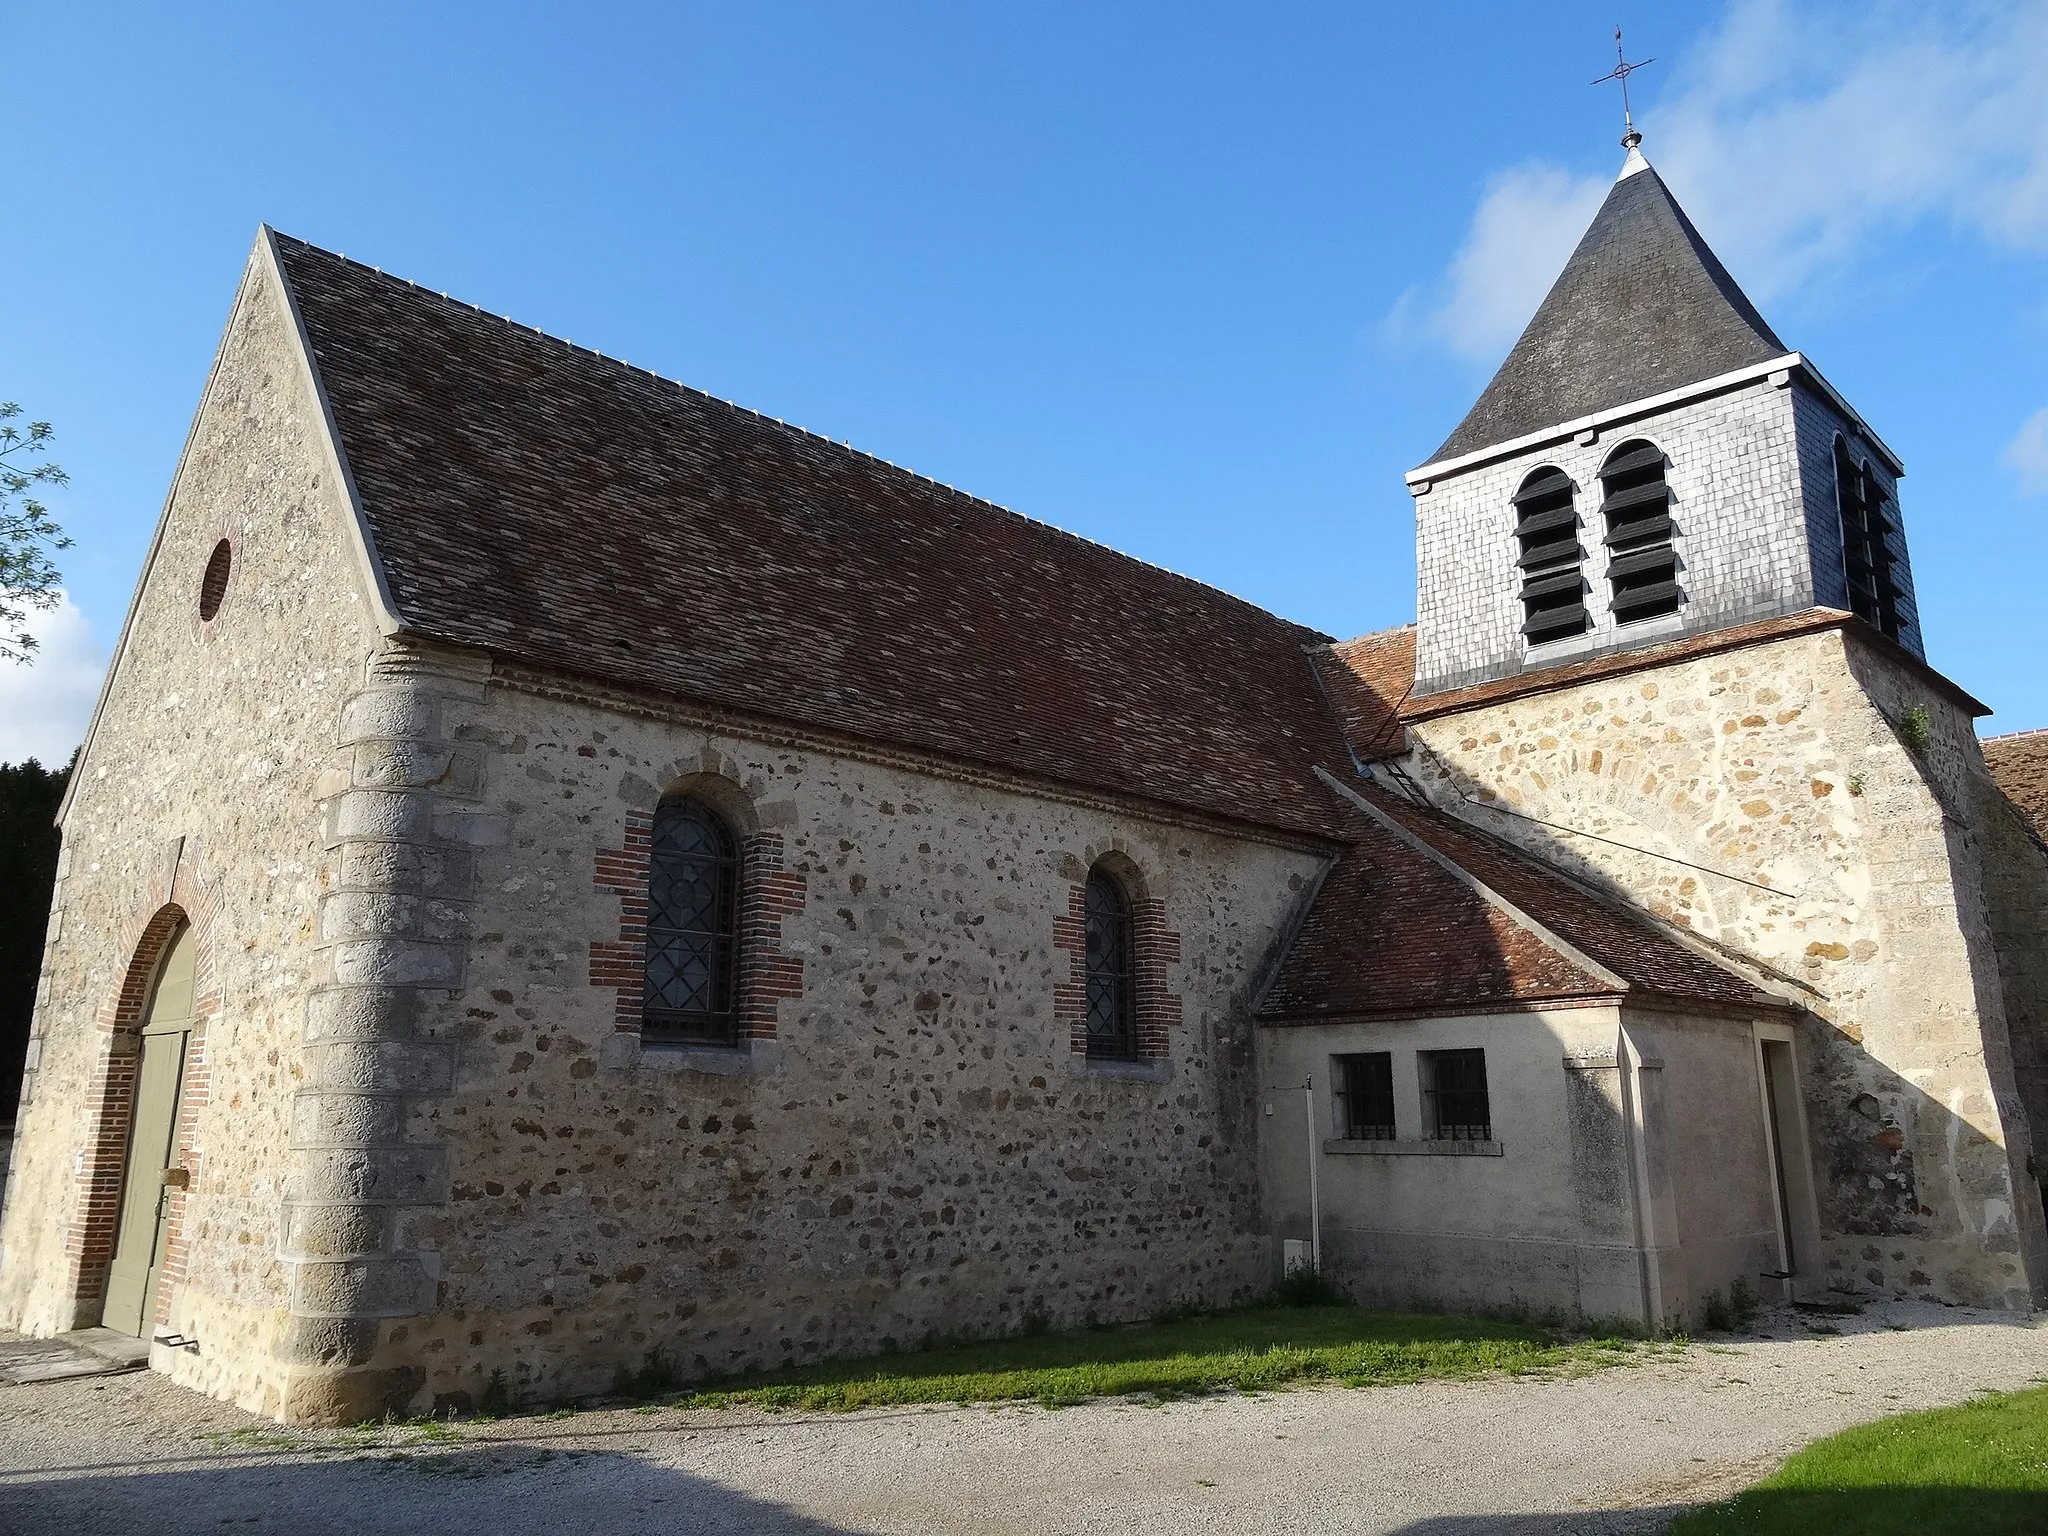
(89, 1245)
(768, 893)
(1156, 1008)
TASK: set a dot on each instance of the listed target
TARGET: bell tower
(1650, 462)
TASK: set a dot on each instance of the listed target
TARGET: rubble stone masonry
(1768, 801)
(196, 802)
(905, 1146)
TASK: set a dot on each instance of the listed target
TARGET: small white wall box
(1294, 1255)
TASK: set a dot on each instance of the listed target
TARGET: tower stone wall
(1773, 801)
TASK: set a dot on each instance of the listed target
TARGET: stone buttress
(401, 820)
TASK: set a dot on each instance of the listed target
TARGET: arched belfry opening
(1551, 558)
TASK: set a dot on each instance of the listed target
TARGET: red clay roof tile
(1393, 932)
(2019, 766)
(542, 502)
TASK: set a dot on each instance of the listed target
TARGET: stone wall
(906, 1146)
(2016, 902)
(196, 796)
(1764, 800)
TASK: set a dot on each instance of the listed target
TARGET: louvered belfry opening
(1635, 504)
(1867, 524)
(1552, 559)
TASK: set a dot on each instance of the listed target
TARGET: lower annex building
(565, 866)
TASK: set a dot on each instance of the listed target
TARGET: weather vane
(1621, 71)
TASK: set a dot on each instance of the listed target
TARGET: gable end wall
(199, 788)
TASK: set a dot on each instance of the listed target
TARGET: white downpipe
(1315, 1204)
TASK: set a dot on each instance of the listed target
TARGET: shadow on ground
(1876, 1511)
(496, 1491)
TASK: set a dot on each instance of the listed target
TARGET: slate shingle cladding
(1642, 307)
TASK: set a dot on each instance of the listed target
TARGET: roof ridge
(837, 444)
(1377, 634)
(2039, 730)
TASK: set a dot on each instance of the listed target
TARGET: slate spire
(1642, 307)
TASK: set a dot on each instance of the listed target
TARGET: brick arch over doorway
(97, 1198)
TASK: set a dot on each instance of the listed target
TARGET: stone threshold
(82, 1352)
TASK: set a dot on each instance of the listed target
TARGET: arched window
(1547, 527)
(1635, 503)
(692, 924)
(1112, 1011)
(1866, 554)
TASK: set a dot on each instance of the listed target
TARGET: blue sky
(1197, 281)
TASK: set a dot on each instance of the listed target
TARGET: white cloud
(1795, 135)
(2027, 454)
(1528, 220)
(46, 705)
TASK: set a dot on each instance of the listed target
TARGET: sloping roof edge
(1485, 892)
(263, 246)
(1755, 986)
(363, 540)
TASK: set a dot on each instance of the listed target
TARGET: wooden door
(152, 1139)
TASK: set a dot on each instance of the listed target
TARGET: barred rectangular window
(1363, 1096)
(1454, 1100)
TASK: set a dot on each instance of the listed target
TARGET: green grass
(1256, 1349)
(1981, 1468)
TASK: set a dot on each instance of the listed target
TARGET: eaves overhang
(1790, 364)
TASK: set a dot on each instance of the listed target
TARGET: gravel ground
(1614, 1450)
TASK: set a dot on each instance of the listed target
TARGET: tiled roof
(1392, 931)
(1368, 681)
(1642, 307)
(2019, 766)
(545, 503)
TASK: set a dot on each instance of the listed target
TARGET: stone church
(564, 866)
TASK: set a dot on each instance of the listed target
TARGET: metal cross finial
(1621, 71)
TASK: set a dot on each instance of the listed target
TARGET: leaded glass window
(1112, 1025)
(692, 909)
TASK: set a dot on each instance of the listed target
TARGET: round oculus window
(213, 586)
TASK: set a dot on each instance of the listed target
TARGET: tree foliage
(29, 796)
(28, 576)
